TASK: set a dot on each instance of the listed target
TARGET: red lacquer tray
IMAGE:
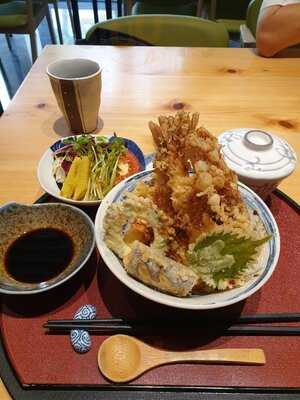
(48, 359)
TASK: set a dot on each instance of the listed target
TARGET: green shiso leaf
(223, 256)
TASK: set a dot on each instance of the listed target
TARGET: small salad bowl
(54, 167)
(19, 221)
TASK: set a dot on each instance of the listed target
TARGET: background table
(231, 88)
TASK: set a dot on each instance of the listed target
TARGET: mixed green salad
(87, 167)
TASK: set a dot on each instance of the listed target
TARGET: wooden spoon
(122, 358)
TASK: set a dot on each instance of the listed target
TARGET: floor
(15, 64)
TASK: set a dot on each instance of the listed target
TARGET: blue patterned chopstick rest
(88, 311)
(80, 339)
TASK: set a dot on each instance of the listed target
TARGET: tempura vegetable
(221, 258)
(154, 269)
(121, 217)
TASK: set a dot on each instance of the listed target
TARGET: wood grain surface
(122, 358)
(4, 395)
(231, 88)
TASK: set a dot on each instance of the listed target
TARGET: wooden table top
(231, 88)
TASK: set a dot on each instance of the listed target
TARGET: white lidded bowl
(260, 159)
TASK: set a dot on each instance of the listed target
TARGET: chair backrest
(21, 16)
(168, 30)
(176, 7)
(252, 15)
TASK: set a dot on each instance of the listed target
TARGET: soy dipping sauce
(39, 255)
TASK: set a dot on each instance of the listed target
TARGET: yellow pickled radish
(69, 185)
(82, 178)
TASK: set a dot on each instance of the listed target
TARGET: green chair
(175, 7)
(23, 17)
(167, 30)
(248, 30)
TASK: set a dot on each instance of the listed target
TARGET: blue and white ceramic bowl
(268, 257)
(47, 180)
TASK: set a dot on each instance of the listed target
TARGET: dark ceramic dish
(17, 219)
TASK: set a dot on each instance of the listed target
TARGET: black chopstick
(268, 318)
(263, 330)
(119, 325)
(244, 319)
(128, 329)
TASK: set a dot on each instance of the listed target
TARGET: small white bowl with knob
(260, 159)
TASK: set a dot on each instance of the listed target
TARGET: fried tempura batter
(186, 229)
(192, 183)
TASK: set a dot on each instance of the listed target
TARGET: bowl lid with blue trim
(253, 153)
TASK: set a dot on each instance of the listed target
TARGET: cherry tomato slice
(133, 165)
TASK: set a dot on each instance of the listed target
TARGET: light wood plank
(4, 395)
(231, 88)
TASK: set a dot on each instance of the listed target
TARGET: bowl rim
(170, 300)
(74, 271)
